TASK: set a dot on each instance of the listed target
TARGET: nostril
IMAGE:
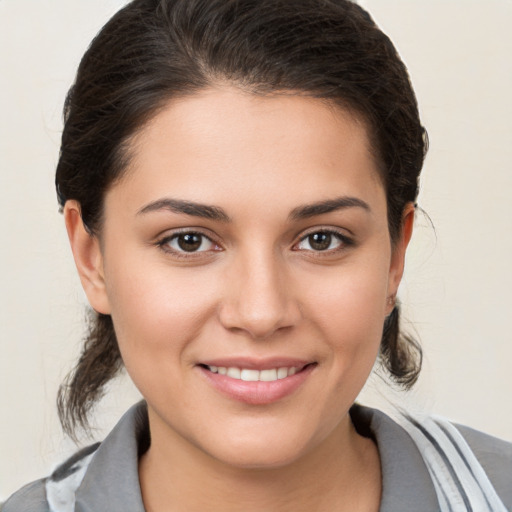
(259, 320)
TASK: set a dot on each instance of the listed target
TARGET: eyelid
(340, 234)
(163, 240)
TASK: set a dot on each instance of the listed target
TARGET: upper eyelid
(163, 240)
(341, 232)
(169, 234)
(346, 241)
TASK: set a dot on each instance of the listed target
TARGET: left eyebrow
(328, 206)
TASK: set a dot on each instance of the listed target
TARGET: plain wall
(456, 290)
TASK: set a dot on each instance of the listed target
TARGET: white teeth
(234, 373)
(282, 373)
(250, 375)
(268, 375)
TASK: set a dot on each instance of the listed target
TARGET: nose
(258, 297)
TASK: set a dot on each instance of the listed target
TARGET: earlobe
(88, 258)
(397, 266)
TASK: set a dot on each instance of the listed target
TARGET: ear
(88, 258)
(396, 269)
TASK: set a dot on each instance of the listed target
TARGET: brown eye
(323, 241)
(320, 241)
(188, 242)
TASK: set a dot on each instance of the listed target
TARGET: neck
(342, 473)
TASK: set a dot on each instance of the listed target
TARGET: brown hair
(154, 50)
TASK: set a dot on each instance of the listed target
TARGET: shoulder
(95, 475)
(31, 498)
(489, 449)
(424, 457)
(57, 490)
(475, 466)
(495, 456)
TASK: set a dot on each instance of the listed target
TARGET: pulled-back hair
(154, 50)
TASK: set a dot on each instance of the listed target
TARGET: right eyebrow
(204, 211)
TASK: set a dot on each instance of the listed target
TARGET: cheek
(157, 313)
(355, 293)
(348, 307)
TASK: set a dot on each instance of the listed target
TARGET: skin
(257, 288)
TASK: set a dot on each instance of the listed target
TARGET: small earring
(392, 300)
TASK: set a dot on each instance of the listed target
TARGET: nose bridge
(258, 297)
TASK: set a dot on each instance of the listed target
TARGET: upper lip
(256, 363)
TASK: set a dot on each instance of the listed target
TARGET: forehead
(224, 143)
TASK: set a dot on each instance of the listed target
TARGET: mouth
(253, 375)
(257, 386)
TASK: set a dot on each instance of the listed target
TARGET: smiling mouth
(253, 375)
(257, 386)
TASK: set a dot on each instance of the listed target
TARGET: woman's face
(246, 262)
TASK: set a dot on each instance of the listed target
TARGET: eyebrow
(216, 213)
(187, 207)
(328, 206)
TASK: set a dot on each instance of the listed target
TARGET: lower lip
(259, 392)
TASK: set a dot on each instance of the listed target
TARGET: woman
(238, 182)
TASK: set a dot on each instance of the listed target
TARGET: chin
(258, 460)
(260, 452)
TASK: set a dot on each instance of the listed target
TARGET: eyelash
(165, 242)
(344, 243)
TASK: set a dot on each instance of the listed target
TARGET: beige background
(459, 278)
